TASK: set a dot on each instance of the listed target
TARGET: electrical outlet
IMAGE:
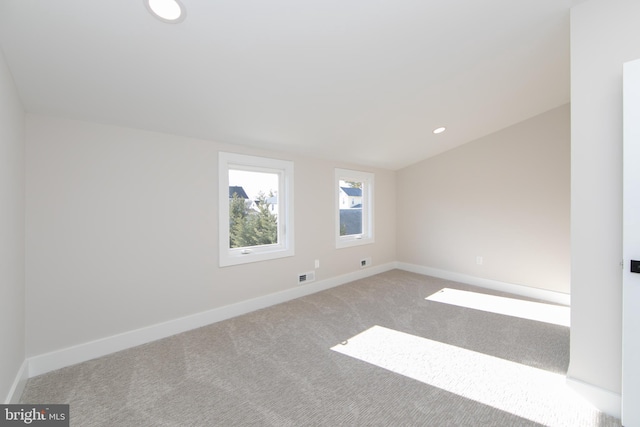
(317, 263)
(479, 260)
(365, 262)
(306, 277)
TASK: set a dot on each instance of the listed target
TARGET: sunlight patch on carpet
(531, 393)
(541, 312)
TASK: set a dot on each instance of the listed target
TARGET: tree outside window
(252, 224)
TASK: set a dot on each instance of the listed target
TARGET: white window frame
(285, 246)
(367, 179)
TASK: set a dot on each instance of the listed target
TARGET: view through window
(354, 210)
(253, 208)
(350, 207)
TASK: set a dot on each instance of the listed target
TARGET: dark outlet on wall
(635, 266)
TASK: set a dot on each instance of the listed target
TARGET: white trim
(368, 181)
(525, 291)
(15, 393)
(631, 246)
(47, 362)
(285, 246)
(605, 400)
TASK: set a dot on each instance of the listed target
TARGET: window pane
(253, 208)
(350, 202)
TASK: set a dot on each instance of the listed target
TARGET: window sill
(352, 241)
(246, 256)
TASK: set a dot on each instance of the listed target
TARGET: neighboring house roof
(237, 190)
(353, 192)
(358, 206)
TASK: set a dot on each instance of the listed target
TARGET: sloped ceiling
(365, 81)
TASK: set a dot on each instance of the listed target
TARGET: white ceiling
(365, 81)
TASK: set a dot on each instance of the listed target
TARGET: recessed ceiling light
(171, 11)
(439, 130)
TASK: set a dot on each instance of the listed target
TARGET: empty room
(285, 213)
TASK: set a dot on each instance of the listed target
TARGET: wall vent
(365, 262)
(306, 277)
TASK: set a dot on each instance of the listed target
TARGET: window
(354, 208)
(256, 208)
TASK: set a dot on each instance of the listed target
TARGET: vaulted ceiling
(365, 81)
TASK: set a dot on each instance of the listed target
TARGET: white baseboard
(606, 401)
(18, 384)
(80, 353)
(525, 291)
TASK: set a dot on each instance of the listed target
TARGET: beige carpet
(276, 367)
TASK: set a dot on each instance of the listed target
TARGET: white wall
(504, 197)
(12, 287)
(122, 231)
(604, 35)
